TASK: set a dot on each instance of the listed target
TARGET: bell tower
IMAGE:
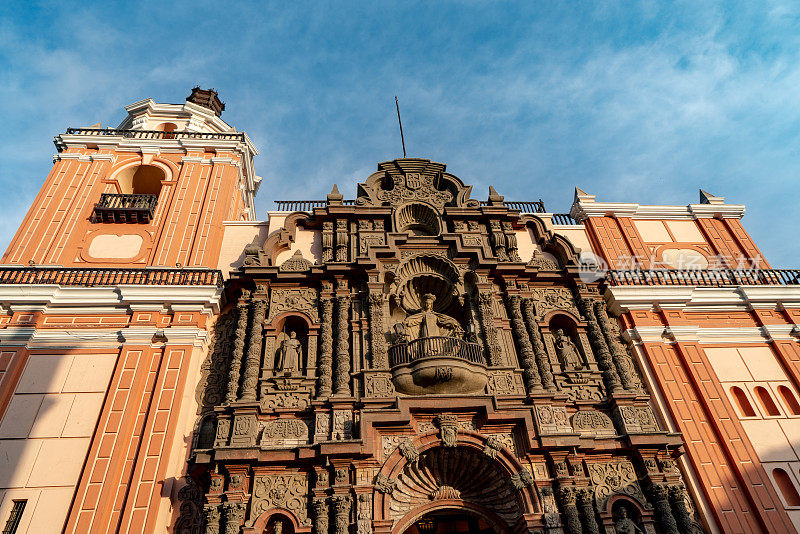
(151, 192)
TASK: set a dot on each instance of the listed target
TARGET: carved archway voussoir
(489, 516)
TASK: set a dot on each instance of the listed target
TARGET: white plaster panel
(59, 462)
(45, 373)
(236, 236)
(578, 238)
(90, 372)
(686, 231)
(762, 363)
(653, 231)
(525, 244)
(19, 416)
(52, 416)
(114, 246)
(684, 258)
(728, 364)
(83, 415)
(51, 509)
(791, 428)
(275, 222)
(308, 242)
(16, 461)
(768, 440)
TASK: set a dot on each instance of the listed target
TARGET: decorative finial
(334, 197)
(494, 197)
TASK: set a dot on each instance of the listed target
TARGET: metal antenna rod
(402, 139)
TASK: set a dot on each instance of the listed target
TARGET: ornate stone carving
(498, 239)
(364, 514)
(245, 429)
(290, 356)
(492, 446)
(341, 513)
(296, 264)
(293, 300)
(234, 370)
(485, 302)
(572, 522)
(445, 492)
(542, 262)
(409, 450)
(322, 427)
(234, 516)
(325, 368)
(505, 383)
(542, 361)
(212, 516)
(287, 399)
(659, 499)
(223, 432)
(378, 385)
(593, 423)
(342, 373)
(522, 479)
(624, 524)
(600, 347)
(636, 419)
(327, 241)
(533, 381)
(342, 425)
(406, 186)
(512, 248)
(342, 240)
(214, 379)
(253, 361)
(448, 429)
(547, 299)
(380, 358)
(385, 484)
(614, 478)
(568, 353)
(320, 511)
(285, 433)
(622, 360)
(190, 497)
(683, 518)
(287, 491)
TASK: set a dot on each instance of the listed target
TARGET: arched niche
(561, 326)
(206, 432)
(620, 508)
(280, 331)
(417, 218)
(267, 523)
(463, 476)
(140, 179)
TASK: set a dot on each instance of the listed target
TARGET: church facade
(412, 359)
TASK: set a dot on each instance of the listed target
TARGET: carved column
(342, 378)
(234, 516)
(320, 511)
(658, 498)
(532, 379)
(364, 514)
(238, 347)
(545, 370)
(498, 241)
(325, 367)
(377, 342)
(598, 341)
(211, 518)
(572, 521)
(683, 519)
(252, 365)
(511, 242)
(341, 511)
(485, 302)
(621, 358)
(327, 241)
(587, 511)
(341, 240)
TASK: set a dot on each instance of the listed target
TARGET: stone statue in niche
(428, 323)
(567, 352)
(625, 524)
(289, 355)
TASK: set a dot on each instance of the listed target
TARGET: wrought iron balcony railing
(435, 347)
(309, 205)
(563, 219)
(110, 276)
(114, 208)
(707, 277)
(155, 134)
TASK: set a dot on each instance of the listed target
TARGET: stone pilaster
(622, 360)
(325, 367)
(485, 303)
(252, 365)
(586, 507)
(234, 516)
(542, 360)
(659, 499)
(319, 508)
(533, 380)
(234, 370)
(341, 513)
(600, 347)
(377, 342)
(567, 497)
(211, 518)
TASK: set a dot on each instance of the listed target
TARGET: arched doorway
(452, 521)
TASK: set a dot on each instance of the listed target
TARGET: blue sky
(632, 101)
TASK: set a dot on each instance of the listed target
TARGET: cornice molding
(585, 207)
(627, 298)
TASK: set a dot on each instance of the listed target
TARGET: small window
(741, 400)
(766, 401)
(786, 486)
(16, 516)
(789, 399)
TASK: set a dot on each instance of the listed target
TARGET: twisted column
(380, 358)
(252, 365)
(238, 347)
(658, 498)
(621, 358)
(485, 301)
(610, 375)
(342, 377)
(572, 521)
(533, 381)
(325, 364)
(677, 498)
(587, 512)
(542, 360)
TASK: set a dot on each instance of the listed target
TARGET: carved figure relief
(614, 478)
(567, 352)
(428, 323)
(290, 355)
(281, 491)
